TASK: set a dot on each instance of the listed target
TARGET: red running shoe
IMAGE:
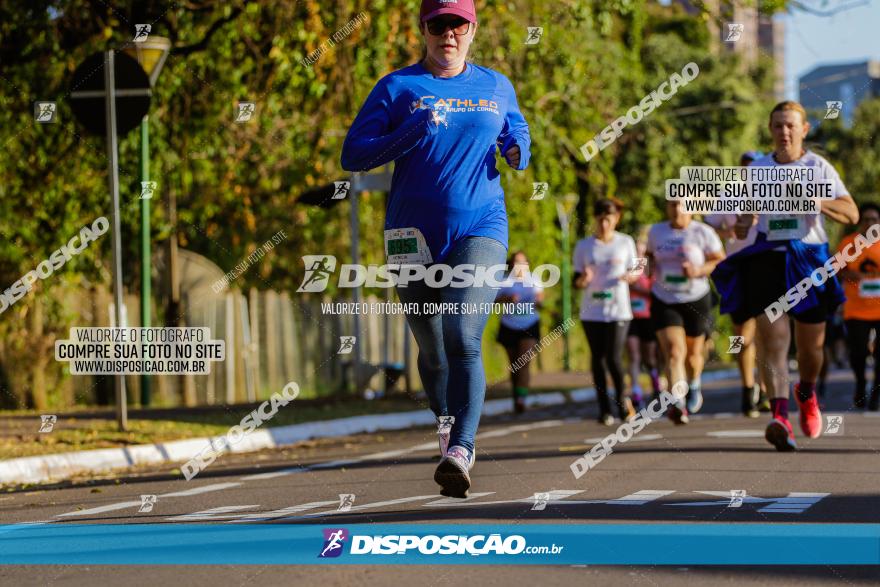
(780, 434)
(810, 415)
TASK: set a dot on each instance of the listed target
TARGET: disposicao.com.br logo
(431, 544)
(320, 268)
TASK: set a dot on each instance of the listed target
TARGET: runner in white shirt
(681, 254)
(603, 266)
(767, 279)
(519, 332)
(754, 396)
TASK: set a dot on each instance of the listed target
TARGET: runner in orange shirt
(861, 311)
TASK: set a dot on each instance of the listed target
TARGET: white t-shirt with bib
(809, 228)
(606, 297)
(673, 246)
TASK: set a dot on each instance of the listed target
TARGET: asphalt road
(670, 474)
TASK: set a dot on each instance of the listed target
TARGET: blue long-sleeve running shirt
(445, 181)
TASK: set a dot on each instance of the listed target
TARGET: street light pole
(146, 269)
(563, 211)
(151, 54)
(113, 165)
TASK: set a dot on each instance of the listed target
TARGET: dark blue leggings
(450, 345)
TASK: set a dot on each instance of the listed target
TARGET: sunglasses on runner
(438, 26)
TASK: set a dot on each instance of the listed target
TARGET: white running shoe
(452, 474)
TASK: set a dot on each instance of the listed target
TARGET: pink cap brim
(456, 11)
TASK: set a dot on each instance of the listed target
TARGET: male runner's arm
(743, 224)
(843, 209)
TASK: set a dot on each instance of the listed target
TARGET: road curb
(56, 467)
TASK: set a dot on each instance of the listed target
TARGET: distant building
(771, 42)
(742, 30)
(849, 83)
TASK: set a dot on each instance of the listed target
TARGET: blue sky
(848, 36)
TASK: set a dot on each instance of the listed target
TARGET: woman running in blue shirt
(441, 121)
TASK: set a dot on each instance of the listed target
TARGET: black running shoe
(859, 399)
(750, 401)
(763, 402)
(874, 403)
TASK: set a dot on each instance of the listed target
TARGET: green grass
(84, 433)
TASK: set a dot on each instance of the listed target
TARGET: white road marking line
(390, 454)
(366, 506)
(341, 463)
(640, 438)
(102, 509)
(736, 434)
(640, 497)
(723, 502)
(127, 504)
(273, 474)
(555, 494)
(259, 517)
(455, 500)
(793, 503)
(201, 490)
(556, 497)
(218, 513)
(519, 428)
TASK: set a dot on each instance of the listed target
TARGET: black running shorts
(695, 317)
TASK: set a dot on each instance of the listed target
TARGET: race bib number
(869, 288)
(639, 305)
(785, 227)
(406, 246)
(676, 282)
